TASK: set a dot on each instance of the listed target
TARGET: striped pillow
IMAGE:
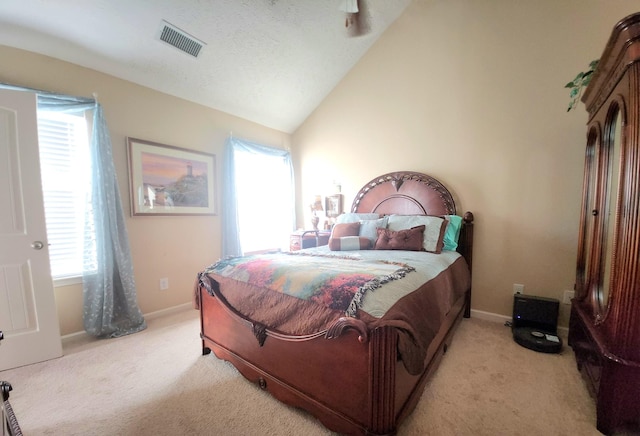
(348, 243)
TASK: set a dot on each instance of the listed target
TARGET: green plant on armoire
(579, 83)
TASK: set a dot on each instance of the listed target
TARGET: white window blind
(65, 168)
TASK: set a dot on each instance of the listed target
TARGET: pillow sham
(433, 233)
(452, 232)
(407, 239)
(368, 228)
(348, 243)
(356, 217)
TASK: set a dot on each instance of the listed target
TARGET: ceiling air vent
(179, 39)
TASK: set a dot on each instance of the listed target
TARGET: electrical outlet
(164, 284)
(518, 289)
(568, 295)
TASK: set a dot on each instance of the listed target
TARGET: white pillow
(355, 217)
(433, 232)
(368, 228)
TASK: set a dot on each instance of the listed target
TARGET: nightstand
(308, 238)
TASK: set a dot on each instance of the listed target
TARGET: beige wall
(173, 247)
(471, 92)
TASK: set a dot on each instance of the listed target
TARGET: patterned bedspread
(337, 282)
(303, 293)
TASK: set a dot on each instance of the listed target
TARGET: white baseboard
(494, 317)
(147, 316)
(71, 336)
(480, 314)
(168, 311)
(488, 316)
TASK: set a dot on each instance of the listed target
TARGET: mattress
(412, 291)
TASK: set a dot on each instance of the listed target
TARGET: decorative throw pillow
(408, 239)
(340, 231)
(347, 243)
(368, 228)
(345, 229)
(434, 229)
(452, 233)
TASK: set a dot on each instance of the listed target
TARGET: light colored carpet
(157, 383)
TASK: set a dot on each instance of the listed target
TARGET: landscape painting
(167, 180)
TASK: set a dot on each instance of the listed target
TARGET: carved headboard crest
(397, 183)
(404, 192)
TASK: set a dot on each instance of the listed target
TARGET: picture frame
(168, 180)
(333, 205)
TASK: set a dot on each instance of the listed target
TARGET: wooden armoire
(604, 329)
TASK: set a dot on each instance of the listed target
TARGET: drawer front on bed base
(348, 385)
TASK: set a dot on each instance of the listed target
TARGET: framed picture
(167, 180)
(333, 205)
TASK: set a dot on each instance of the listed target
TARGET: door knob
(37, 245)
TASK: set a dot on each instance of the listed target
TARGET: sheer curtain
(258, 197)
(110, 300)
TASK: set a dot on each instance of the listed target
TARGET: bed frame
(349, 377)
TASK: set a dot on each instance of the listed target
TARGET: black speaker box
(535, 323)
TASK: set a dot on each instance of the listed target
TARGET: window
(265, 201)
(65, 167)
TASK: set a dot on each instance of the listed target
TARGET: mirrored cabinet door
(588, 215)
(611, 178)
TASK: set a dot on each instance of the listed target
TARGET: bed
(356, 370)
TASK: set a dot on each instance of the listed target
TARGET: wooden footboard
(347, 377)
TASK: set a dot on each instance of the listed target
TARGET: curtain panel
(231, 243)
(110, 307)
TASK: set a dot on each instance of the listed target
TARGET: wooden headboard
(411, 193)
(404, 193)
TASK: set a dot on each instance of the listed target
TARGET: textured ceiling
(268, 61)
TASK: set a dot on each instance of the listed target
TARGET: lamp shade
(317, 203)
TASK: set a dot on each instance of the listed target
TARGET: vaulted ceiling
(268, 61)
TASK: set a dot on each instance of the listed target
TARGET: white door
(28, 314)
